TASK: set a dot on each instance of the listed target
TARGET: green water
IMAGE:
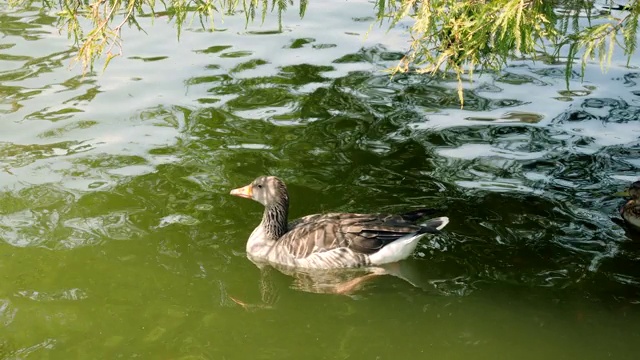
(119, 238)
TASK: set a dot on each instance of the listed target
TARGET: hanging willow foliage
(447, 36)
(461, 37)
(108, 17)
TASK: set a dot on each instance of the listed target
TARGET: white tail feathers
(437, 223)
(444, 221)
(406, 245)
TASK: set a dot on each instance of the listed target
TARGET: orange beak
(245, 192)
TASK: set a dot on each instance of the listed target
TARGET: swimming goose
(631, 210)
(328, 241)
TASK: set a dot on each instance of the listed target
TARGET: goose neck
(274, 220)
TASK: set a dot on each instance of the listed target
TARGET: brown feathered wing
(362, 233)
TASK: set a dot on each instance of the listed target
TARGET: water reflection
(357, 282)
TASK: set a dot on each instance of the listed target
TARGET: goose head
(634, 190)
(631, 210)
(272, 193)
(269, 191)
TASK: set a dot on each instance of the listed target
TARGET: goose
(630, 212)
(332, 240)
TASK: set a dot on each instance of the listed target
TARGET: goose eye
(259, 186)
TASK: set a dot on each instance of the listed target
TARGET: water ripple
(68, 294)
(7, 314)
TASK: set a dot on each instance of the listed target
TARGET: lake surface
(118, 238)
